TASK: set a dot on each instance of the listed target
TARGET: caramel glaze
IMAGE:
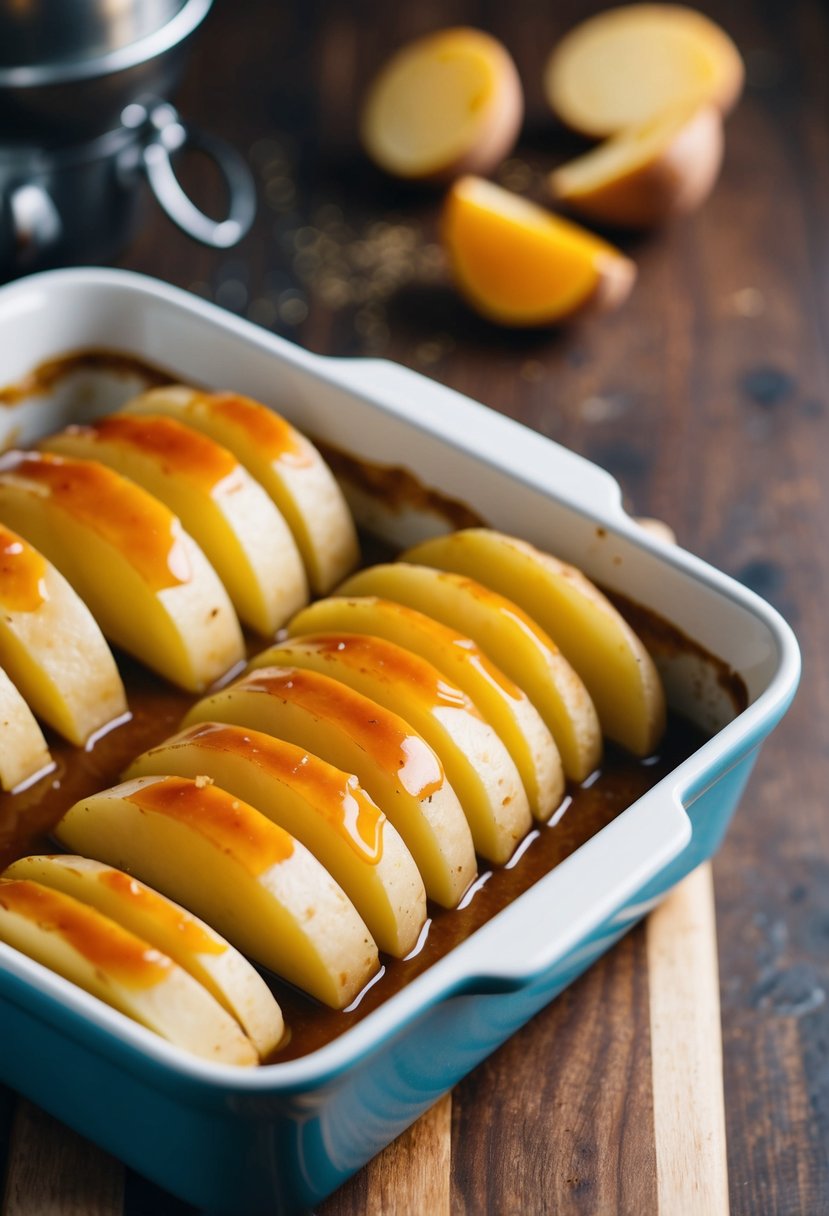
(273, 435)
(382, 734)
(176, 448)
(22, 571)
(117, 510)
(177, 921)
(335, 795)
(103, 944)
(227, 822)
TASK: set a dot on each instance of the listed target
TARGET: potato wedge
(321, 806)
(231, 866)
(477, 764)
(119, 547)
(283, 461)
(500, 702)
(51, 646)
(510, 639)
(169, 928)
(628, 65)
(396, 766)
(616, 668)
(228, 514)
(24, 755)
(86, 947)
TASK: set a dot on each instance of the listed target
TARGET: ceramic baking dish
(281, 1137)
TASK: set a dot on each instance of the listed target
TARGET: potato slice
(616, 668)
(511, 640)
(24, 756)
(520, 265)
(396, 766)
(320, 805)
(51, 646)
(86, 947)
(146, 582)
(646, 175)
(283, 461)
(477, 764)
(500, 702)
(628, 65)
(227, 863)
(227, 513)
(164, 925)
(445, 104)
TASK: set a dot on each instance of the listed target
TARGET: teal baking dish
(280, 1138)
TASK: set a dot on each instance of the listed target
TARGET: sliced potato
(510, 639)
(285, 463)
(394, 764)
(51, 646)
(648, 174)
(86, 947)
(238, 871)
(24, 756)
(448, 103)
(188, 941)
(518, 264)
(478, 765)
(616, 668)
(318, 804)
(228, 514)
(146, 582)
(501, 702)
(628, 65)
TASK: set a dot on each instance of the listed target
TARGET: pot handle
(167, 134)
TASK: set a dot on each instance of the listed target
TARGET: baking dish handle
(588, 901)
(460, 420)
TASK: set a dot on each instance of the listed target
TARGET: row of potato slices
(198, 510)
(411, 721)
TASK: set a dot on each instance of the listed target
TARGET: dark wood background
(707, 395)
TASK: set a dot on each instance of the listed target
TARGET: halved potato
(394, 764)
(510, 639)
(86, 947)
(24, 755)
(627, 65)
(51, 646)
(146, 582)
(286, 463)
(238, 871)
(188, 941)
(478, 765)
(616, 668)
(500, 702)
(319, 805)
(227, 513)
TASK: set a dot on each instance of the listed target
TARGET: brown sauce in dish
(48, 375)
(22, 571)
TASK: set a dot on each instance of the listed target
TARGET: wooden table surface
(707, 396)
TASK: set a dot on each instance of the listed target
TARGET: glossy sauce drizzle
(176, 921)
(22, 574)
(272, 434)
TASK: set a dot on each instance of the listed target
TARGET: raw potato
(52, 648)
(24, 756)
(319, 805)
(616, 668)
(646, 175)
(396, 766)
(520, 265)
(283, 461)
(501, 703)
(228, 514)
(477, 764)
(188, 941)
(146, 582)
(627, 66)
(445, 104)
(88, 948)
(510, 639)
(223, 860)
